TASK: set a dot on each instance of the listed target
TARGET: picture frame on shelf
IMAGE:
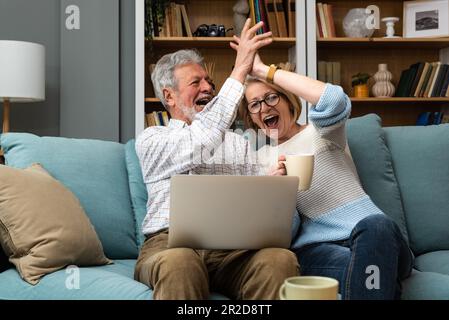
(426, 19)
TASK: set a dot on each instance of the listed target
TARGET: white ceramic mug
(309, 288)
(300, 165)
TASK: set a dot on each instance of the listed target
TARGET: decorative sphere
(354, 24)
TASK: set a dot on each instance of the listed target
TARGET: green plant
(154, 15)
(360, 78)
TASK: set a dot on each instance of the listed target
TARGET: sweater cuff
(333, 106)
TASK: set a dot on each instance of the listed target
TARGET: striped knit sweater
(335, 202)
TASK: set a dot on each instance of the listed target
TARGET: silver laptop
(231, 212)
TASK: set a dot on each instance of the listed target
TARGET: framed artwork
(426, 19)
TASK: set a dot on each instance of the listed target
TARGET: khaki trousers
(184, 273)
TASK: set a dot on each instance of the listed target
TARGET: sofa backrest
(137, 188)
(374, 164)
(421, 164)
(95, 171)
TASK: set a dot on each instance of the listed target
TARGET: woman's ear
(169, 96)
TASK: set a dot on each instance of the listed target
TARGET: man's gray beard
(189, 112)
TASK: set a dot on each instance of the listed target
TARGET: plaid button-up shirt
(204, 147)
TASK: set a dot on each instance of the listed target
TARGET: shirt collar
(176, 123)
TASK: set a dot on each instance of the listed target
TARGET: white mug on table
(309, 288)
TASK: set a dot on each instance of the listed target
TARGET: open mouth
(271, 121)
(203, 101)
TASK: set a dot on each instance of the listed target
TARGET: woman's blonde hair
(294, 104)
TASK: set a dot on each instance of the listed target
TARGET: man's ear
(169, 96)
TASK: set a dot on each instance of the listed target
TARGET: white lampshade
(22, 71)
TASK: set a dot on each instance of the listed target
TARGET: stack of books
(156, 118)
(433, 118)
(424, 79)
(329, 71)
(176, 22)
(278, 16)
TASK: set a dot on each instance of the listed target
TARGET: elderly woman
(343, 234)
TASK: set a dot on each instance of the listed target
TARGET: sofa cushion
(425, 286)
(95, 171)
(374, 165)
(107, 282)
(103, 282)
(421, 162)
(437, 261)
(137, 188)
(43, 227)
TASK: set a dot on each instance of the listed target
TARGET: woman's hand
(259, 69)
(279, 168)
(247, 47)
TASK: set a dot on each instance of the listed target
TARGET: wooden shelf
(211, 42)
(153, 100)
(436, 43)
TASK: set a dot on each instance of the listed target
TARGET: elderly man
(199, 122)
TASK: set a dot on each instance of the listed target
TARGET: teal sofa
(405, 170)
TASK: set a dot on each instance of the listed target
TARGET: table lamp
(22, 74)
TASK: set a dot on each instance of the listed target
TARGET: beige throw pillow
(43, 227)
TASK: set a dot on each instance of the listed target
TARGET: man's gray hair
(163, 75)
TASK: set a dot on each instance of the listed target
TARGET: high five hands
(247, 46)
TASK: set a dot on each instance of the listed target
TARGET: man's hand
(259, 69)
(247, 47)
(279, 168)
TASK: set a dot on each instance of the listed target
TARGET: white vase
(383, 86)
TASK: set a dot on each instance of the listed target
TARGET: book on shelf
(322, 71)
(329, 71)
(178, 18)
(157, 118)
(423, 119)
(417, 69)
(440, 79)
(252, 12)
(271, 17)
(336, 73)
(319, 30)
(257, 10)
(431, 118)
(149, 120)
(176, 22)
(400, 88)
(291, 14)
(444, 88)
(424, 80)
(325, 20)
(323, 26)
(445, 115)
(422, 75)
(331, 22)
(280, 18)
(436, 66)
(263, 16)
(185, 19)
(330, 28)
